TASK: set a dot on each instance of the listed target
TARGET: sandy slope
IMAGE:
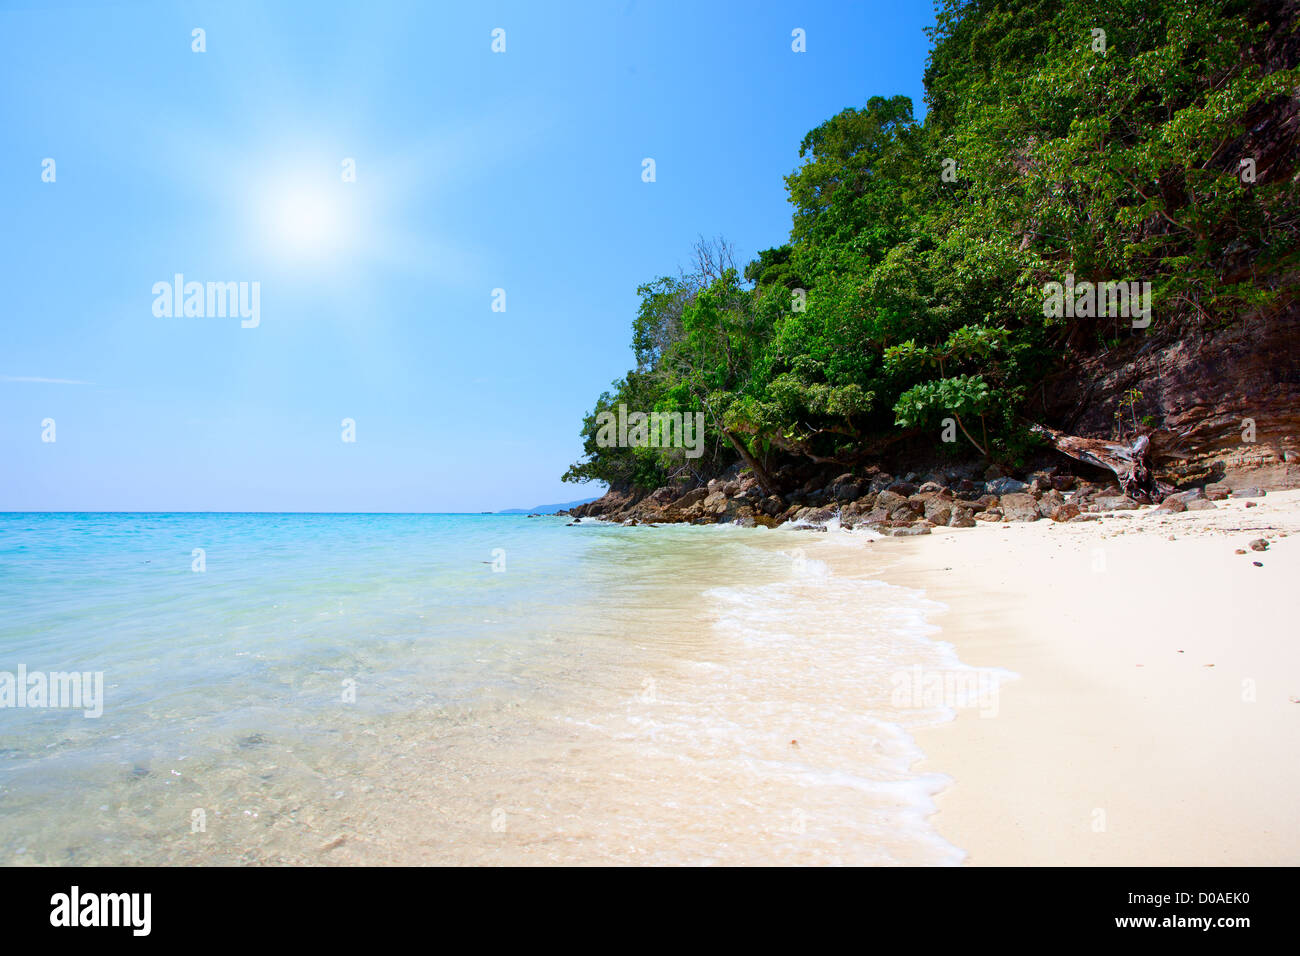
(1156, 719)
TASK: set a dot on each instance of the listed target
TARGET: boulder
(1065, 512)
(715, 503)
(847, 488)
(1062, 482)
(1216, 491)
(1249, 492)
(1113, 503)
(961, 518)
(889, 500)
(1019, 507)
(937, 508)
(1201, 504)
(1049, 502)
(815, 515)
(688, 499)
(1005, 486)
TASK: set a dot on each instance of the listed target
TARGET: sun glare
(306, 221)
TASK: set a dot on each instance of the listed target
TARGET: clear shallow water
(656, 695)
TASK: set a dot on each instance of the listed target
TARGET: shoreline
(1156, 713)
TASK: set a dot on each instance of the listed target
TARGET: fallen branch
(1127, 462)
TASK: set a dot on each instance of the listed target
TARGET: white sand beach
(1156, 718)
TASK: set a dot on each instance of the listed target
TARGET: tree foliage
(911, 288)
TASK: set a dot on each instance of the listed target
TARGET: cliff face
(1205, 388)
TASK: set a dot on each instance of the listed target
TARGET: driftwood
(1128, 462)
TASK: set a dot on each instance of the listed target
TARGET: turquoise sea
(377, 688)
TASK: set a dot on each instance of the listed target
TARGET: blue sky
(474, 171)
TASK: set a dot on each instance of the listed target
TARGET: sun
(306, 221)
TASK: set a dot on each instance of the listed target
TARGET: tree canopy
(1117, 144)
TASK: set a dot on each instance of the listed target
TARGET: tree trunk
(1128, 462)
(764, 479)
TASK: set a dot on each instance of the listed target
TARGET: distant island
(547, 509)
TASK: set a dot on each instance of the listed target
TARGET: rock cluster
(888, 504)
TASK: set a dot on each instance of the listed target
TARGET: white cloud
(42, 381)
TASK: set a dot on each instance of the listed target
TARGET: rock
(846, 488)
(930, 487)
(1085, 517)
(1240, 551)
(1114, 503)
(691, 497)
(889, 500)
(990, 514)
(816, 515)
(993, 472)
(1201, 504)
(907, 512)
(1019, 507)
(766, 521)
(715, 485)
(860, 511)
(1171, 506)
(1217, 491)
(938, 510)
(1062, 482)
(1259, 544)
(1250, 492)
(1251, 504)
(919, 528)
(1049, 502)
(1065, 512)
(961, 518)
(731, 489)
(715, 503)
(772, 505)
(1005, 486)
(903, 488)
